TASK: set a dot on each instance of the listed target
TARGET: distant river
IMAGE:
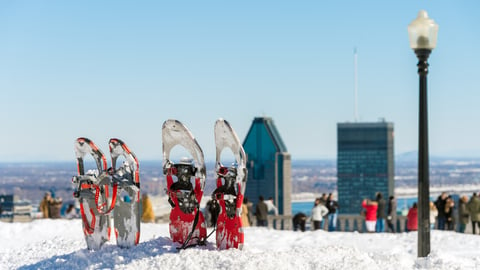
(306, 207)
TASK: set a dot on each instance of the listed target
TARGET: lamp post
(423, 38)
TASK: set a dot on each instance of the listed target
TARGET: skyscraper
(269, 165)
(365, 163)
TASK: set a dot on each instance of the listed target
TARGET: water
(403, 204)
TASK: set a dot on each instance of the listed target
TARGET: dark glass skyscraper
(365, 163)
(269, 165)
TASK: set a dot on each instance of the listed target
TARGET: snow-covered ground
(59, 244)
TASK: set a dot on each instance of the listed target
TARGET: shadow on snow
(110, 256)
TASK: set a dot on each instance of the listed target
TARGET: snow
(59, 244)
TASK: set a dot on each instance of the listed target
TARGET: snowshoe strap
(89, 228)
(195, 222)
(112, 204)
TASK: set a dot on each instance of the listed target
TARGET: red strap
(114, 199)
(88, 229)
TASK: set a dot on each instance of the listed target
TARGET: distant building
(269, 165)
(365, 163)
(14, 210)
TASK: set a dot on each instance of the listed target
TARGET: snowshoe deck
(96, 225)
(187, 223)
(127, 213)
(231, 182)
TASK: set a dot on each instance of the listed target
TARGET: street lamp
(423, 38)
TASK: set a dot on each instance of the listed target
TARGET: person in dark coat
(261, 212)
(299, 221)
(381, 213)
(332, 207)
(473, 207)
(449, 217)
(440, 204)
(392, 213)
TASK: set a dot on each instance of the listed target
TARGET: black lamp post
(423, 38)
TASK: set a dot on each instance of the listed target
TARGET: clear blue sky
(103, 69)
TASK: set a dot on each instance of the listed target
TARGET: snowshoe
(127, 213)
(92, 190)
(231, 183)
(187, 223)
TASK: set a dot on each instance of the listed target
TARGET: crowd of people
(50, 207)
(380, 215)
(442, 211)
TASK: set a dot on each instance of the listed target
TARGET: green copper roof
(266, 124)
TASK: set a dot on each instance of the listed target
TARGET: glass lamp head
(423, 32)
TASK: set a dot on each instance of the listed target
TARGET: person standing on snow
(370, 214)
(244, 215)
(463, 215)
(271, 206)
(45, 205)
(440, 204)
(318, 211)
(332, 206)
(261, 212)
(381, 214)
(412, 218)
(473, 207)
(147, 209)
(392, 214)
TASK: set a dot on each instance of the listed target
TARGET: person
(148, 215)
(449, 217)
(244, 215)
(381, 214)
(71, 212)
(332, 207)
(412, 218)
(473, 207)
(463, 215)
(440, 204)
(318, 211)
(299, 221)
(45, 205)
(212, 211)
(261, 212)
(433, 215)
(323, 199)
(54, 207)
(392, 213)
(271, 206)
(250, 211)
(370, 214)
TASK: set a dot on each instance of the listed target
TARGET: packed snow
(59, 244)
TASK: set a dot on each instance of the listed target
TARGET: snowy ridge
(59, 244)
(437, 190)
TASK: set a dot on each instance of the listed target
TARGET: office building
(269, 165)
(365, 163)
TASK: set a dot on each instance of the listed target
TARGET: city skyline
(120, 69)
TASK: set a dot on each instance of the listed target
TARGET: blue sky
(103, 69)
